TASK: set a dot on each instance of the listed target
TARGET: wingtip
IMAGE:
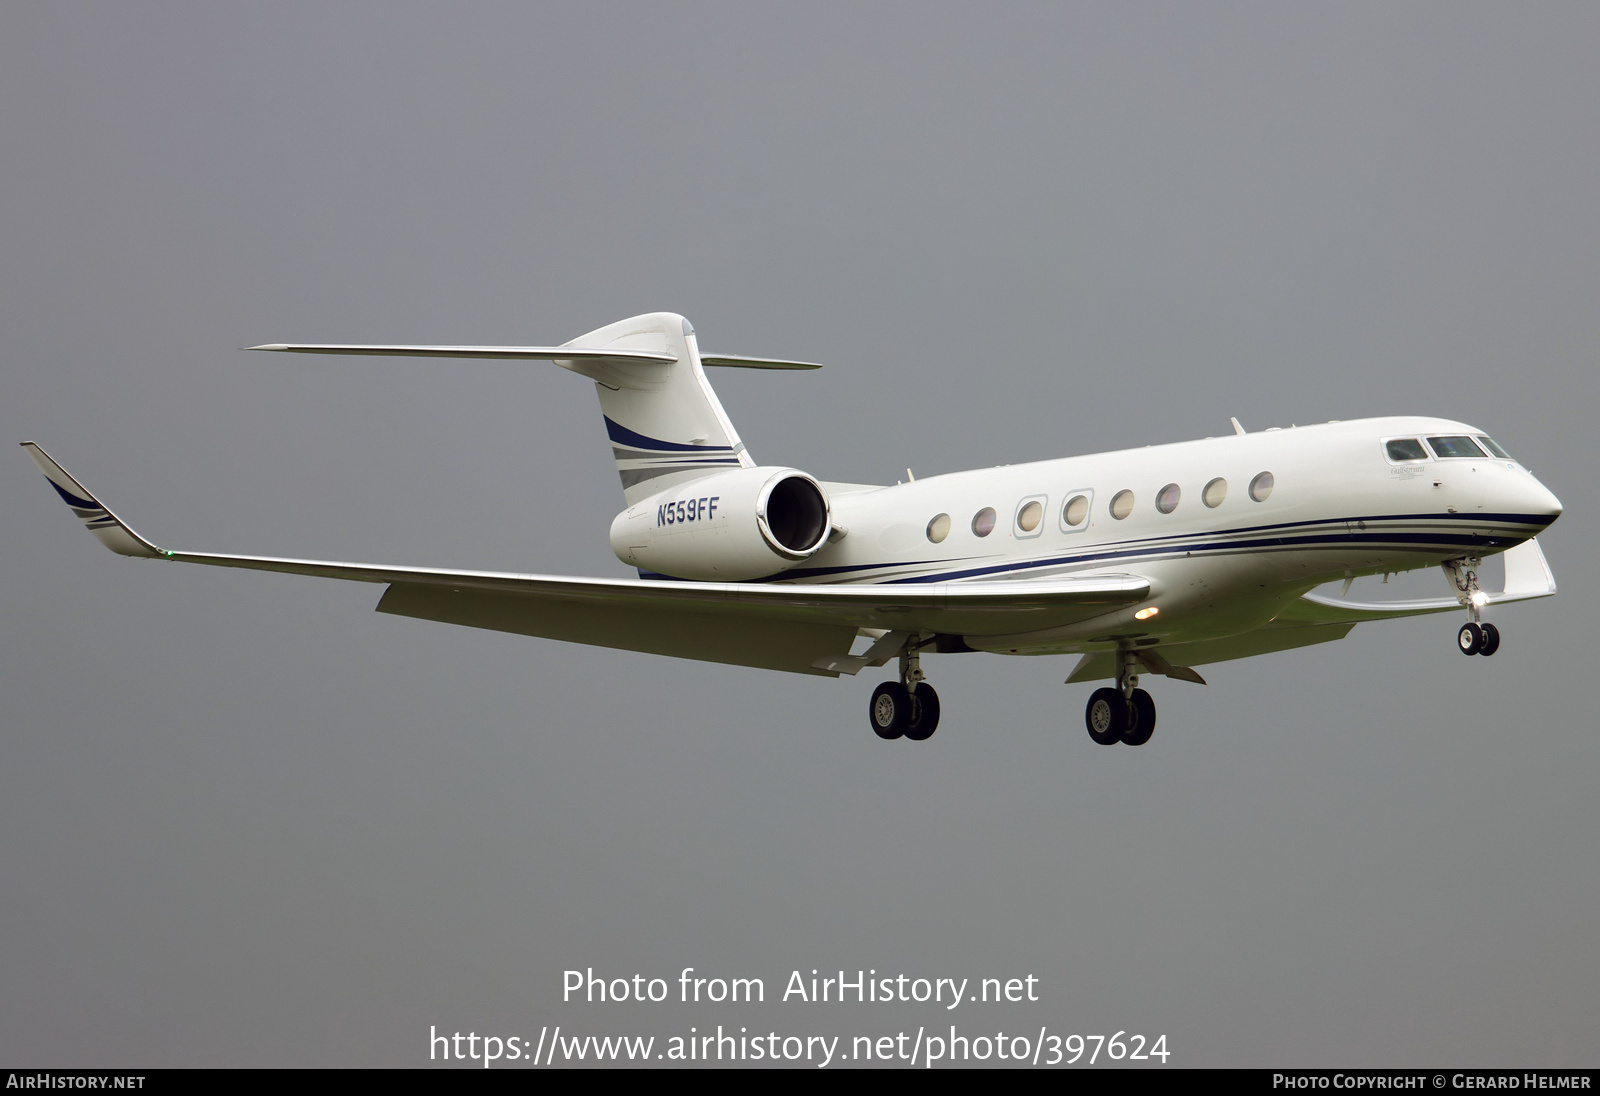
(107, 527)
(267, 346)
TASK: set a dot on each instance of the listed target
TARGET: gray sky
(246, 821)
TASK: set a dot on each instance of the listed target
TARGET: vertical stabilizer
(665, 423)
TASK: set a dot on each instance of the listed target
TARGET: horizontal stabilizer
(754, 363)
(614, 366)
(569, 357)
(526, 353)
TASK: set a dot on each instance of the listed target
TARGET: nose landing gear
(1123, 714)
(1475, 637)
(1478, 639)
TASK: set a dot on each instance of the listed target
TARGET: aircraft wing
(802, 629)
(1528, 575)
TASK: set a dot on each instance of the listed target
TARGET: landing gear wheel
(1470, 638)
(924, 713)
(1106, 716)
(1141, 719)
(890, 710)
(1491, 640)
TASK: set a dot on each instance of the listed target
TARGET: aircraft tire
(924, 713)
(1141, 719)
(1491, 640)
(890, 710)
(1106, 716)
(1470, 639)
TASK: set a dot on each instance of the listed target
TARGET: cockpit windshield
(1457, 446)
(1405, 449)
(1494, 447)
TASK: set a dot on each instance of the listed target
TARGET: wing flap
(652, 627)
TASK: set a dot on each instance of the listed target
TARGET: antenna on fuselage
(1237, 429)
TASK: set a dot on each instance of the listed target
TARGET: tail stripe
(622, 435)
(645, 461)
(633, 476)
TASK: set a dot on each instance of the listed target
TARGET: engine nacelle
(730, 527)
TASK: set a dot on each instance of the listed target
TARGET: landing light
(1146, 614)
(1480, 598)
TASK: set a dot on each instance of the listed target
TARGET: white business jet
(1146, 561)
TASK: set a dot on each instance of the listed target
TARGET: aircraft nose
(1540, 500)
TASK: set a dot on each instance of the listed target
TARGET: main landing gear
(906, 708)
(1475, 637)
(1125, 713)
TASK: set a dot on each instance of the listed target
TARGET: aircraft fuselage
(1338, 506)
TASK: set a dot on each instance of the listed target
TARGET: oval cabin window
(1075, 511)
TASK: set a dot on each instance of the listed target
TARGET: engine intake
(793, 515)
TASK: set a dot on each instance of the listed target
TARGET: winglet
(109, 529)
(1528, 573)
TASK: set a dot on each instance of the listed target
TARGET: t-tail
(665, 423)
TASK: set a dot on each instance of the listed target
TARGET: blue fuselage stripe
(1229, 540)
